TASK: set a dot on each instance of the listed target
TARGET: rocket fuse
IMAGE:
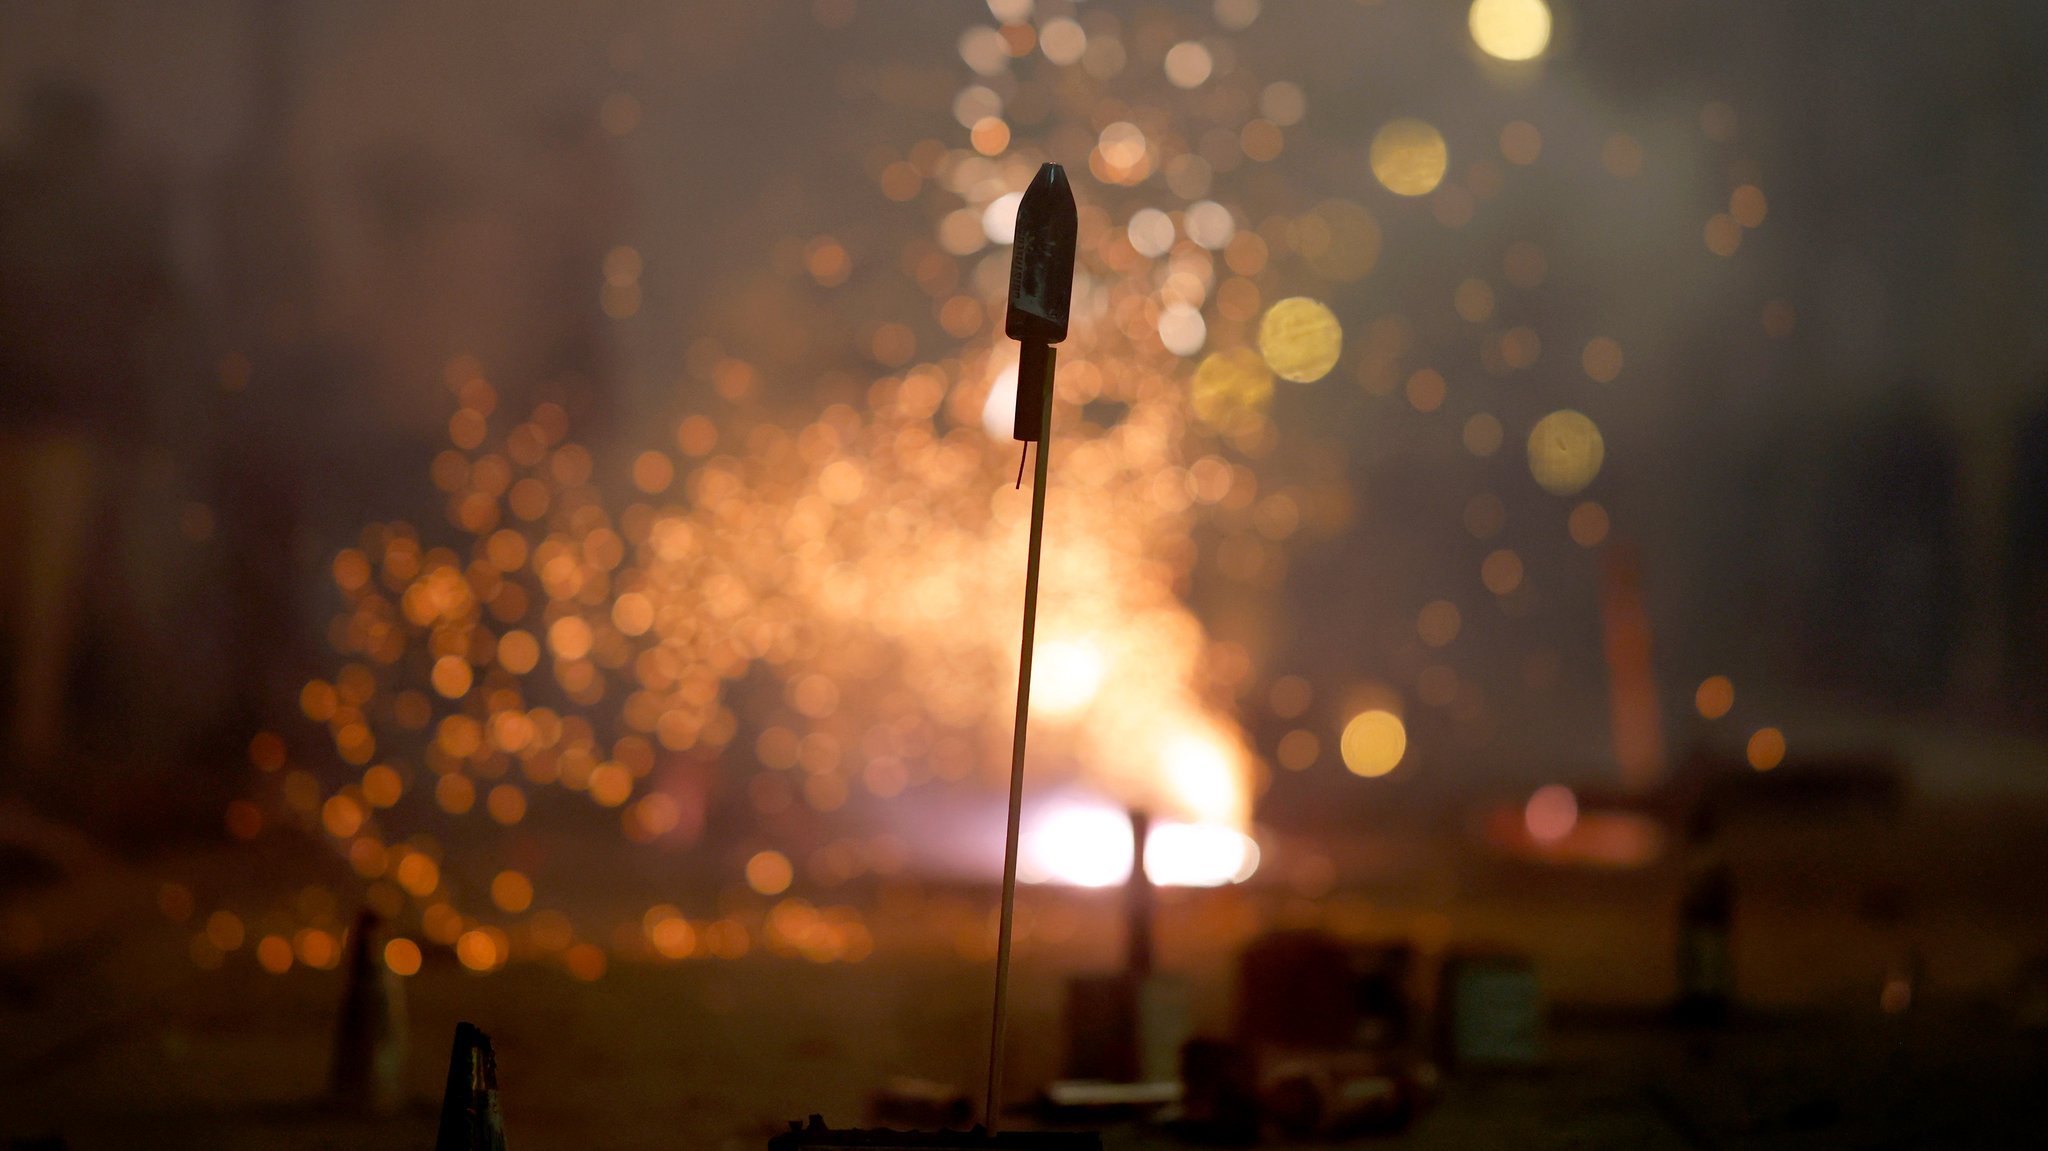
(1041, 290)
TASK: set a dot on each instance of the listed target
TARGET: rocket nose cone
(1042, 262)
(1046, 197)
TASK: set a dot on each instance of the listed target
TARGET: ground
(111, 1036)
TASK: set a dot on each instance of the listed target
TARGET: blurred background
(1558, 483)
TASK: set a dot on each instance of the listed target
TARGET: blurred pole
(1138, 900)
(1638, 720)
(1986, 389)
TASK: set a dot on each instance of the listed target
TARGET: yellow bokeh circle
(1565, 452)
(1510, 29)
(1409, 157)
(1373, 743)
(1300, 339)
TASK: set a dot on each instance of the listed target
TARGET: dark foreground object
(470, 1119)
(815, 1136)
(367, 1073)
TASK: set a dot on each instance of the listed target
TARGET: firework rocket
(1041, 289)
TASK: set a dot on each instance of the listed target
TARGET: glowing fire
(1065, 677)
(884, 552)
(873, 558)
(1087, 843)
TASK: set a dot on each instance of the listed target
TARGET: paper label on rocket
(1042, 262)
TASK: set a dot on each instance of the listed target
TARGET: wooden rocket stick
(1009, 912)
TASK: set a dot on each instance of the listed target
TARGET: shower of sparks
(872, 557)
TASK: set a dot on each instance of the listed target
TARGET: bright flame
(1065, 676)
(1199, 855)
(1199, 774)
(1078, 845)
(1087, 843)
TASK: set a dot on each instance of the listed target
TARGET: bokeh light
(1588, 524)
(1438, 623)
(512, 891)
(1766, 748)
(1501, 571)
(1565, 452)
(1409, 157)
(1300, 339)
(1188, 64)
(1298, 749)
(274, 954)
(224, 930)
(317, 948)
(1510, 29)
(402, 956)
(1602, 359)
(1715, 695)
(1551, 813)
(480, 949)
(1373, 743)
(769, 873)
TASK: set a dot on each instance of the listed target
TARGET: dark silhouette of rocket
(1041, 289)
(470, 1119)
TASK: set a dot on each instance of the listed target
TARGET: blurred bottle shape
(1706, 916)
(368, 1072)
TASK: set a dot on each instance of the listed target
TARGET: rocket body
(1041, 289)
